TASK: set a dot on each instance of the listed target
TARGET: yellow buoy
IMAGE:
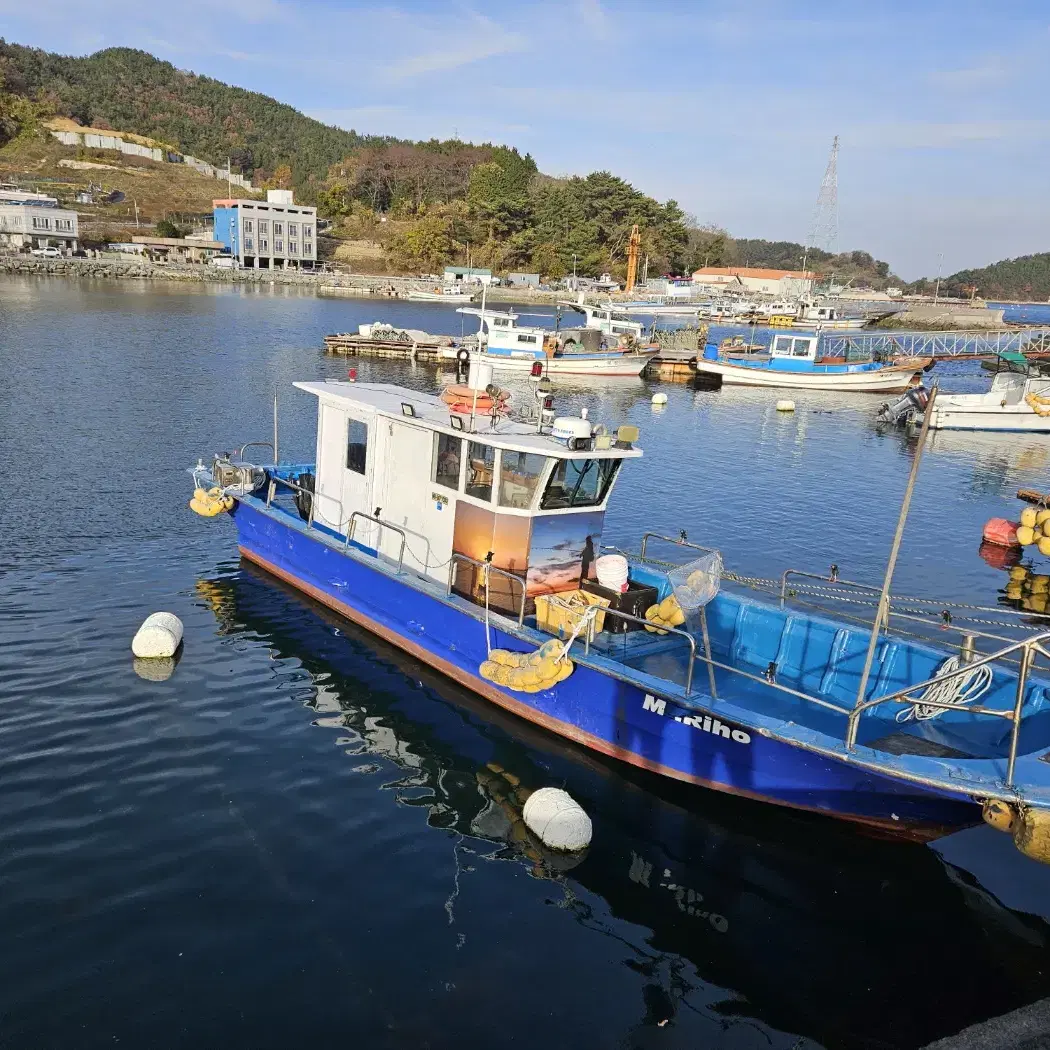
(1029, 517)
(999, 815)
(1026, 535)
(1013, 591)
(1044, 546)
(1041, 516)
(1040, 584)
(1031, 830)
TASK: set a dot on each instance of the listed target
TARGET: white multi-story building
(270, 234)
(35, 220)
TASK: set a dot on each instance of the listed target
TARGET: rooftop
(431, 412)
(752, 271)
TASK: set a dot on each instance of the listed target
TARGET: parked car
(46, 253)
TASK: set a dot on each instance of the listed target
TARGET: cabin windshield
(579, 483)
(481, 466)
(519, 477)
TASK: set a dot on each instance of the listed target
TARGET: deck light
(407, 409)
(456, 422)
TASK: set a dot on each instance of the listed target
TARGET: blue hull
(631, 717)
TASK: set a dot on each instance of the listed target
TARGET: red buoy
(1001, 532)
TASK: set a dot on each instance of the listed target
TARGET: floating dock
(406, 343)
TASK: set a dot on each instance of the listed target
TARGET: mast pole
(884, 596)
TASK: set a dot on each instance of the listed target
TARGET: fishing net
(696, 582)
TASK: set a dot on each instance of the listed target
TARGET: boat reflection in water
(751, 916)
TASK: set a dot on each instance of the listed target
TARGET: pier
(961, 345)
(395, 342)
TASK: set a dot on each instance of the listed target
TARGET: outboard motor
(907, 409)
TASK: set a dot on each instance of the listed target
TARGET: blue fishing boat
(473, 542)
(794, 360)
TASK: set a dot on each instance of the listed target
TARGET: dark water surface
(304, 838)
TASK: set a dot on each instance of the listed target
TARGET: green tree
(166, 228)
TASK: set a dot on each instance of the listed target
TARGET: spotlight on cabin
(626, 436)
(407, 409)
(456, 422)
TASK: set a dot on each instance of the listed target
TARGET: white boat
(511, 347)
(792, 362)
(441, 295)
(608, 320)
(827, 317)
(1015, 401)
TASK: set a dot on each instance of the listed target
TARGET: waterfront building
(272, 234)
(180, 249)
(523, 280)
(786, 283)
(467, 275)
(34, 220)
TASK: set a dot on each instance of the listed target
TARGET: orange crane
(632, 258)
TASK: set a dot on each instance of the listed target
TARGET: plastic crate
(552, 615)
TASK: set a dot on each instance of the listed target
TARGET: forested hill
(1025, 278)
(132, 91)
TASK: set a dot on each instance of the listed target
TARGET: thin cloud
(595, 18)
(932, 135)
(993, 70)
(484, 39)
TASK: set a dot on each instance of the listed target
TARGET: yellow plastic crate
(553, 617)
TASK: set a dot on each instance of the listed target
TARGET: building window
(248, 245)
(308, 248)
(481, 468)
(248, 225)
(278, 229)
(278, 245)
(308, 230)
(519, 474)
(293, 248)
(264, 227)
(446, 462)
(356, 446)
(264, 245)
(293, 229)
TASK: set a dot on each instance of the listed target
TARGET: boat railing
(253, 444)
(1029, 648)
(360, 515)
(488, 567)
(313, 495)
(681, 540)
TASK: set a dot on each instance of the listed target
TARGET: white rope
(958, 691)
(584, 621)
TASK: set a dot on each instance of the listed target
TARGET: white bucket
(612, 571)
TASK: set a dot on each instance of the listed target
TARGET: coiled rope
(959, 691)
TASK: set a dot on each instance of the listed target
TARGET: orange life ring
(461, 399)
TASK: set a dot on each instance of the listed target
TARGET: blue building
(272, 234)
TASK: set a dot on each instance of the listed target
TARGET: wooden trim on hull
(895, 829)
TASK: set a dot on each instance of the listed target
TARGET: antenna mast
(825, 231)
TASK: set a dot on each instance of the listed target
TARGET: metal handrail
(255, 444)
(831, 578)
(382, 525)
(1013, 715)
(457, 557)
(678, 541)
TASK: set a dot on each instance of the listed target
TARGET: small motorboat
(441, 295)
(1017, 400)
(794, 361)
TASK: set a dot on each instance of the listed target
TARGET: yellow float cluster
(1031, 589)
(208, 504)
(667, 613)
(1035, 529)
(528, 672)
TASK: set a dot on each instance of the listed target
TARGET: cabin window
(447, 460)
(579, 483)
(519, 474)
(481, 469)
(527, 339)
(801, 348)
(356, 446)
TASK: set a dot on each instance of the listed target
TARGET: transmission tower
(826, 214)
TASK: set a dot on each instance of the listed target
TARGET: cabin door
(342, 472)
(409, 456)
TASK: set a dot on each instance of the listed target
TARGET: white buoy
(159, 636)
(659, 399)
(785, 406)
(557, 819)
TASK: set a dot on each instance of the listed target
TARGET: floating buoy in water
(557, 819)
(1025, 535)
(159, 636)
(659, 399)
(1029, 517)
(785, 406)
(1001, 532)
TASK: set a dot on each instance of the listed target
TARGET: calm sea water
(304, 838)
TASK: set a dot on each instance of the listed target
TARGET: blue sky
(727, 107)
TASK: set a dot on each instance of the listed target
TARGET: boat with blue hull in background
(473, 542)
(794, 361)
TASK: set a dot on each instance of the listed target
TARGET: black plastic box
(634, 601)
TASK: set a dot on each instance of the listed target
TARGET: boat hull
(632, 364)
(889, 380)
(593, 708)
(1012, 419)
(438, 297)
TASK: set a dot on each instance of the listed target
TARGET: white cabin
(400, 474)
